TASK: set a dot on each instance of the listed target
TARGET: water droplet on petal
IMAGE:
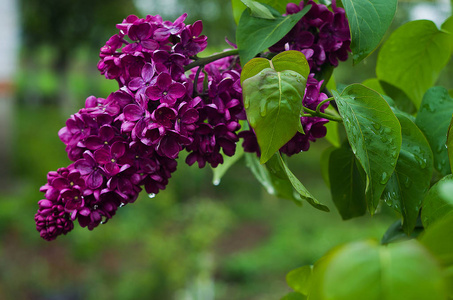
(152, 195)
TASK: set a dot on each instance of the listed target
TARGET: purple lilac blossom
(322, 35)
(130, 139)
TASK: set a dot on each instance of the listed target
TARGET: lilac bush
(131, 140)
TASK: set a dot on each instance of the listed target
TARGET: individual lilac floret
(322, 35)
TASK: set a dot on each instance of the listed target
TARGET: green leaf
(279, 181)
(273, 101)
(299, 279)
(450, 144)
(278, 186)
(434, 119)
(347, 183)
(401, 101)
(412, 58)
(367, 270)
(291, 60)
(438, 239)
(228, 161)
(374, 134)
(412, 177)
(438, 202)
(447, 27)
(298, 186)
(253, 67)
(368, 21)
(258, 10)
(239, 7)
(396, 233)
(254, 35)
(287, 60)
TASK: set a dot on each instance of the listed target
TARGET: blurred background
(192, 241)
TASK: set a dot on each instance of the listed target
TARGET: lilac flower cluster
(322, 35)
(131, 139)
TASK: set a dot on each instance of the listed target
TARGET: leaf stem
(313, 113)
(318, 108)
(206, 60)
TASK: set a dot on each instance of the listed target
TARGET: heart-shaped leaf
(273, 99)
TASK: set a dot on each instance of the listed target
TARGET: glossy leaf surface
(411, 180)
(347, 183)
(374, 134)
(254, 35)
(273, 101)
(434, 119)
(368, 21)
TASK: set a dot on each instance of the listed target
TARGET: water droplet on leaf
(384, 178)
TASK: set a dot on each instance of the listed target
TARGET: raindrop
(216, 182)
(152, 195)
(122, 204)
(384, 178)
(246, 103)
(263, 109)
(407, 182)
(441, 148)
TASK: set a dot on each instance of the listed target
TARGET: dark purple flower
(191, 42)
(109, 158)
(165, 90)
(141, 83)
(90, 170)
